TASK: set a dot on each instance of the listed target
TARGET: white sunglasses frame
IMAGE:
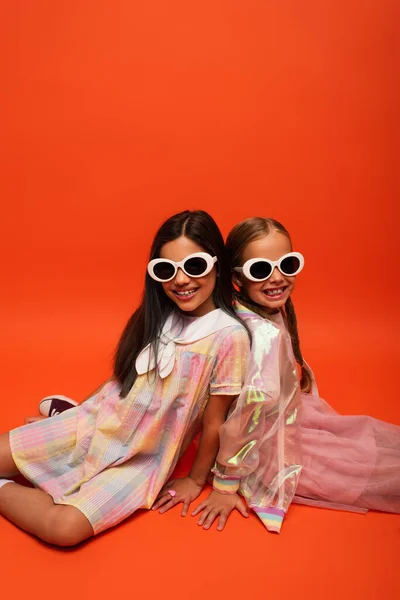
(210, 260)
(273, 263)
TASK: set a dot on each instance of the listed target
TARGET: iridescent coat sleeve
(259, 442)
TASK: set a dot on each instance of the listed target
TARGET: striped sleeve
(230, 363)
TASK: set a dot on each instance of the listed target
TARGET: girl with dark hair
(282, 442)
(179, 364)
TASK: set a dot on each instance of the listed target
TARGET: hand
(186, 491)
(219, 504)
(33, 419)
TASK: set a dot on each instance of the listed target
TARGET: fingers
(242, 508)
(169, 505)
(206, 511)
(165, 502)
(212, 515)
(185, 508)
(162, 499)
(199, 508)
(223, 517)
(209, 509)
(208, 517)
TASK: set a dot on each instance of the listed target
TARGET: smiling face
(272, 293)
(192, 295)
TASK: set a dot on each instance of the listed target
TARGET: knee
(67, 526)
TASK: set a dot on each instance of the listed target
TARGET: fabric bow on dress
(174, 333)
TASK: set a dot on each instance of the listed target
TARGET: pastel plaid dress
(111, 456)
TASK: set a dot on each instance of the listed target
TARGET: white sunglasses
(194, 265)
(260, 269)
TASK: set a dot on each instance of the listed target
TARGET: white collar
(172, 333)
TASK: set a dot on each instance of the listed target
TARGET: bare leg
(35, 512)
(7, 464)
(33, 419)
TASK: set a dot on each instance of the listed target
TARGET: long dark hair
(145, 324)
(239, 237)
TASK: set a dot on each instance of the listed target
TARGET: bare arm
(189, 488)
(214, 416)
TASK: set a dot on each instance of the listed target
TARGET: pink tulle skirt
(348, 461)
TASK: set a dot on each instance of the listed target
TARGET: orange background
(121, 113)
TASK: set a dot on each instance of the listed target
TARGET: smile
(186, 295)
(275, 293)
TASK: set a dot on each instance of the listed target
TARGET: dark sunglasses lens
(290, 265)
(195, 266)
(164, 270)
(260, 270)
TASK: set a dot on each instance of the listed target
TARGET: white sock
(4, 481)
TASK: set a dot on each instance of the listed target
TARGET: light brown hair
(239, 237)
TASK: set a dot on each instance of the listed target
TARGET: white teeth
(188, 293)
(276, 292)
